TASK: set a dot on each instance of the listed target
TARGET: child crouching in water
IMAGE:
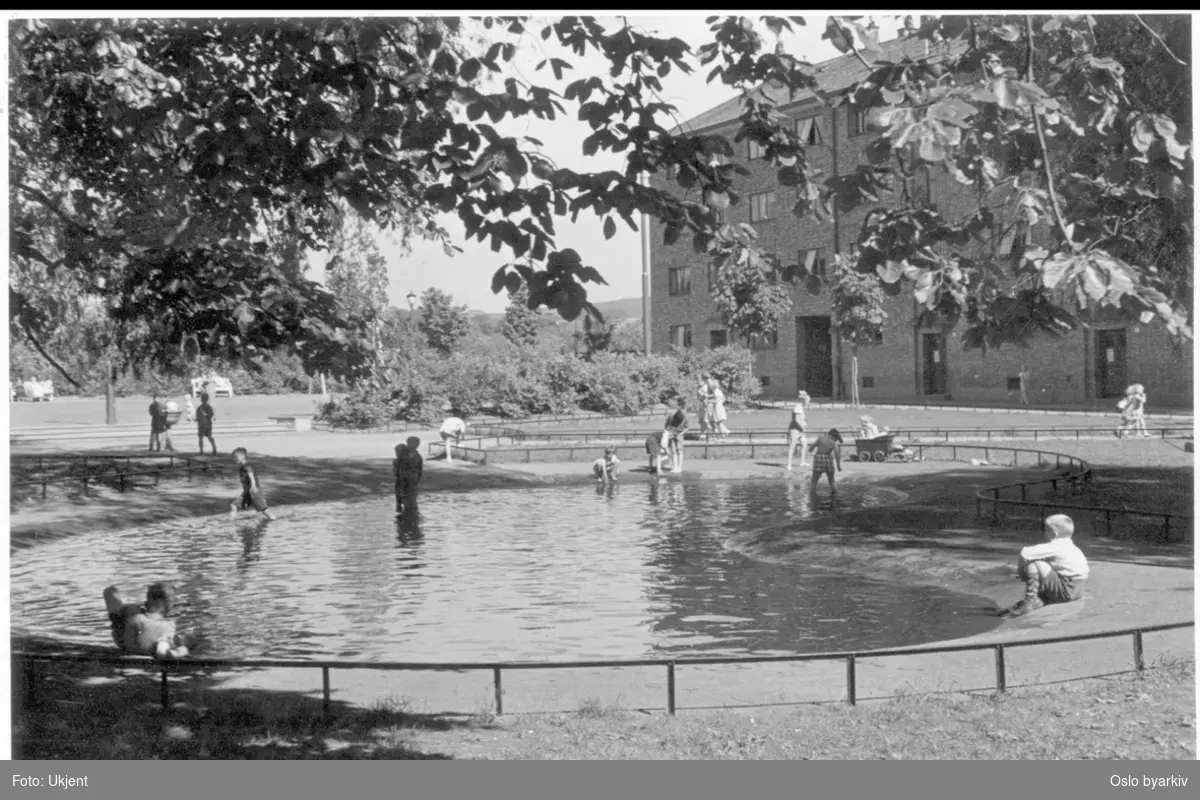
(605, 469)
(145, 630)
(1054, 572)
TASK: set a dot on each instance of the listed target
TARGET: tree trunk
(110, 397)
(854, 374)
(324, 393)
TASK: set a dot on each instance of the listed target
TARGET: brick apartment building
(915, 358)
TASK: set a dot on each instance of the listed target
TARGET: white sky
(468, 275)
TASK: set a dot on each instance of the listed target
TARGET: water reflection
(556, 572)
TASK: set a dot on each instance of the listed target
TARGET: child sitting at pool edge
(145, 629)
(605, 469)
(1054, 572)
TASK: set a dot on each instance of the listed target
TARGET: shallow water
(545, 573)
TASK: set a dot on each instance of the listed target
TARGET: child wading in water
(1054, 572)
(408, 469)
(827, 453)
(658, 450)
(145, 630)
(252, 494)
(605, 469)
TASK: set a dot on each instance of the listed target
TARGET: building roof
(832, 76)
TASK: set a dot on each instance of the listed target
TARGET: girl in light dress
(716, 408)
(1133, 412)
(795, 431)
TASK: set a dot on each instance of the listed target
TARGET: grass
(1124, 717)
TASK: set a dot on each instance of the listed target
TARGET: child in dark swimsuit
(252, 494)
(408, 469)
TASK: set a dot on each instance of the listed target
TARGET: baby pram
(880, 448)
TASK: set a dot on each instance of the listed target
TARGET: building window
(857, 121)
(755, 150)
(671, 172)
(813, 261)
(762, 206)
(764, 381)
(866, 382)
(681, 335)
(878, 337)
(679, 280)
(717, 339)
(713, 273)
(1014, 384)
(808, 131)
(765, 341)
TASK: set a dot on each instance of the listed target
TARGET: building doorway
(1111, 370)
(814, 356)
(933, 354)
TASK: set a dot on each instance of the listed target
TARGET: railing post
(1167, 527)
(325, 690)
(166, 692)
(671, 688)
(499, 691)
(1108, 523)
(1139, 657)
(996, 505)
(978, 507)
(851, 687)
(1001, 677)
(1023, 492)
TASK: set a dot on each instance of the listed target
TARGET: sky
(467, 275)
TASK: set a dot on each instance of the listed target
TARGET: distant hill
(613, 311)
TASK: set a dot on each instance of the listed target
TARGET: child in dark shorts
(252, 494)
(658, 449)
(204, 423)
(1053, 572)
(408, 469)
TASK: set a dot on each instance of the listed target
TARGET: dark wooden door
(814, 356)
(1111, 370)
(933, 353)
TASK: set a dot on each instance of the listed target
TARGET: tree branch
(1041, 135)
(38, 346)
(1159, 39)
(850, 39)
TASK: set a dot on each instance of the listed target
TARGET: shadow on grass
(90, 710)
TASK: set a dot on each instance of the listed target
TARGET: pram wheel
(880, 456)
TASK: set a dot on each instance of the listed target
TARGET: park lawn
(1123, 717)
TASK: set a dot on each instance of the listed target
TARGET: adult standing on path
(204, 423)
(702, 394)
(716, 407)
(158, 423)
(453, 428)
(796, 428)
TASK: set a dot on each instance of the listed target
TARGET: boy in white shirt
(1054, 572)
(453, 428)
(605, 469)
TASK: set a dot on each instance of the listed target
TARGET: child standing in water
(452, 428)
(676, 426)
(252, 494)
(408, 469)
(827, 453)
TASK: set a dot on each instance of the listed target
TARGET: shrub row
(516, 382)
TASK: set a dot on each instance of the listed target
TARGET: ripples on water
(544, 573)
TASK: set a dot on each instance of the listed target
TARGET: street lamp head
(412, 301)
